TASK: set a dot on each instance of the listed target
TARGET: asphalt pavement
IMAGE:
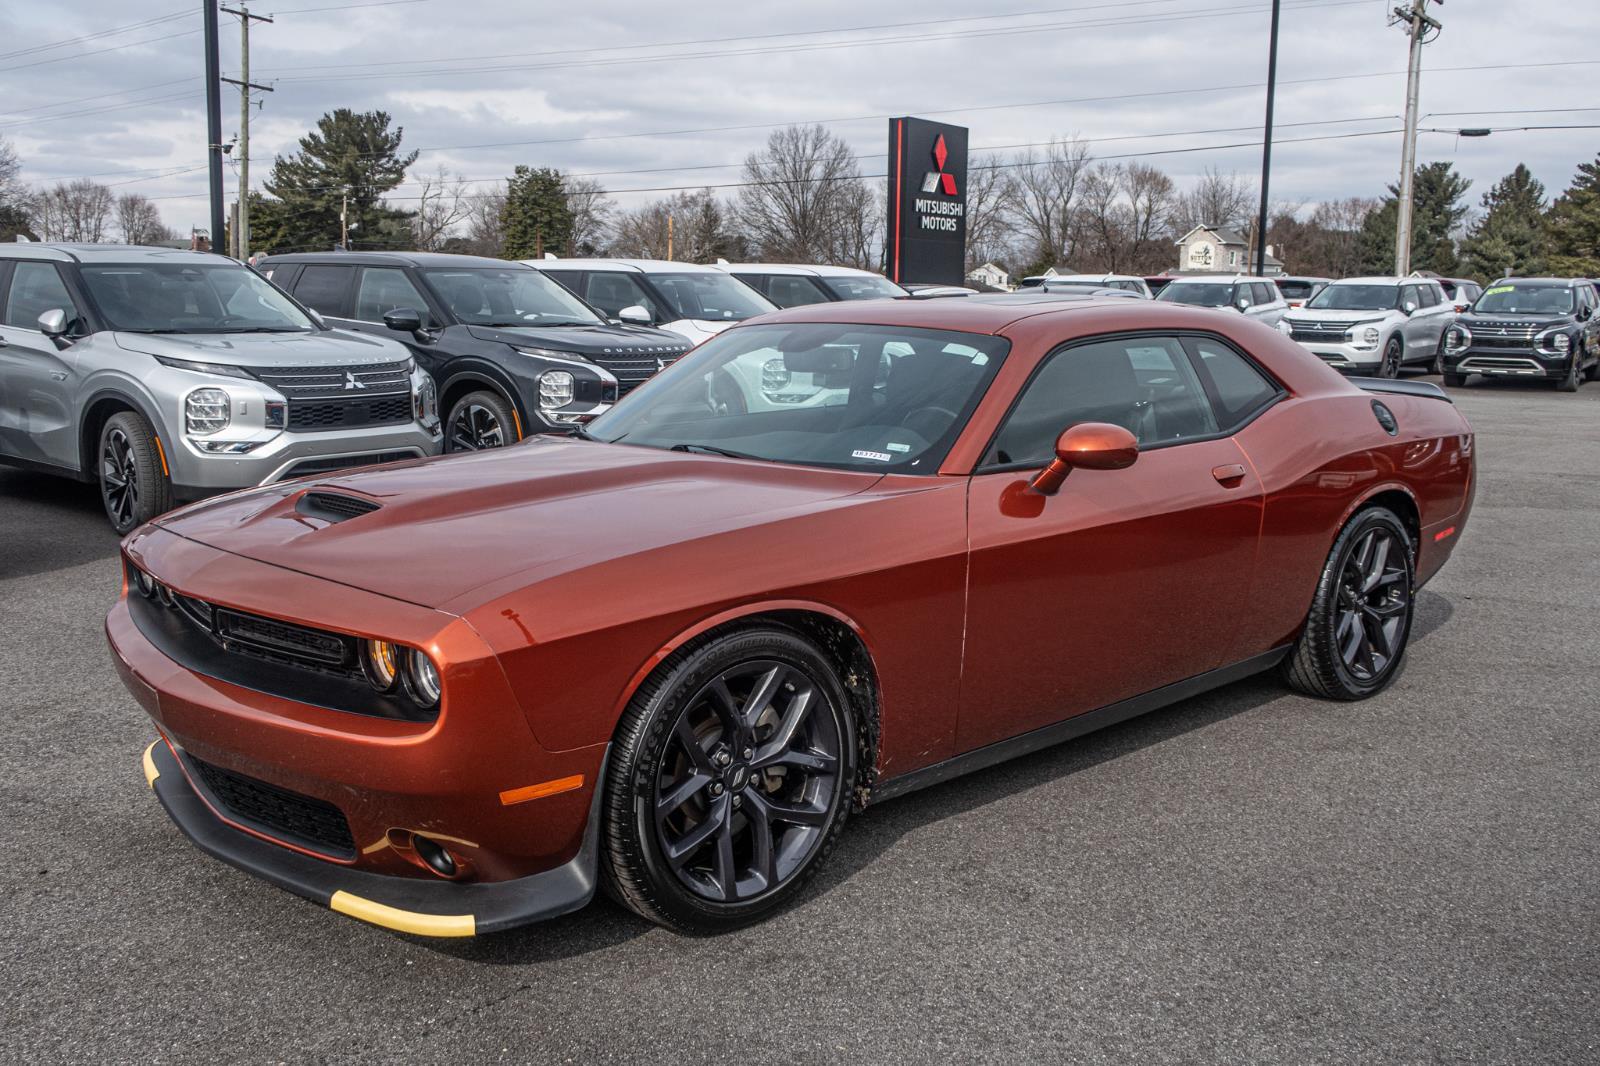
(1248, 877)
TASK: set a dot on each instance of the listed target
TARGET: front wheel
(1393, 356)
(1574, 376)
(1454, 381)
(1437, 367)
(729, 781)
(480, 420)
(1360, 620)
(134, 486)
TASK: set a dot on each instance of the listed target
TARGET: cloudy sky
(661, 96)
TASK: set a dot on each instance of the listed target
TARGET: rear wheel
(134, 486)
(729, 781)
(480, 420)
(1360, 620)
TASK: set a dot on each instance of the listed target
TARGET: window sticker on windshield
(882, 457)
(1501, 288)
(893, 447)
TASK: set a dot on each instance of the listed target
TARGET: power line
(98, 35)
(344, 7)
(183, 94)
(101, 51)
(96, 96)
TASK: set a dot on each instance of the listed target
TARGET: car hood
(451, 525)
(331, 347)
(1342, 318)
(598, 339)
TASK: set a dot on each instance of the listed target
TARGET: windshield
(1524, 300)
(864, 287)
(879, 398)
(1338, 297)
(508, 296)
(1296, 290)
(1198, 293)
(711, 296)
(221, 297)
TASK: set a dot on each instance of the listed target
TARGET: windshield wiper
(706, 449)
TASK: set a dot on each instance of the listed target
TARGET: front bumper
(291, 455)
(407, 905)
(1346, 357)
(1508, 363)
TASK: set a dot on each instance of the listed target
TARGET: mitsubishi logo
(350, 382)
(938, 180)
(661, 364)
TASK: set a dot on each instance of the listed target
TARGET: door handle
(1228, 475)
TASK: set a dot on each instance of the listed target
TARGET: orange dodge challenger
(833, 555)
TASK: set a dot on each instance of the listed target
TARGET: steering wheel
(930, 421)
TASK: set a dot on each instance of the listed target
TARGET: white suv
(694, 301)
(1256, 298)
(1374, 325)
(797, 284)
(1125, 282)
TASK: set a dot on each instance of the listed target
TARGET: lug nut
(738, 801)
(748, 753)
(723, 758)
(716, 788)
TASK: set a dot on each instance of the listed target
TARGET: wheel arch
(471, 379)
(96, 411)
(1397, 498)
(841, 638)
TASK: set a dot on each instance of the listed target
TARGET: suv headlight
(1285, 328)
(1554, 341)
(555, 389)
(425, 401)
(1457, 339)
(775, 376)
(206, 411)
(1364, 337)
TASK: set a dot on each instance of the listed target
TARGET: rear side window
(385, 289)
(1242, 292)
(793, 291)
(326, 289)
(612, 292)
(1237, 389)
(1265, 291)
(35, 289)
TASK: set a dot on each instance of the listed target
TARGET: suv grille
(298, 818)
(1321, 333)
(321, 382)
(632, 370)
(331, 414)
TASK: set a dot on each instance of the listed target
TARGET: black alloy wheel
(133, 486)
(1393, 355)
(729, 781)
(1360, 620)
(480, 420)
(1574, 376)
(1437, 367)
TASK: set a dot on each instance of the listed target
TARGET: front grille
(1508, 330)
(1324, 336)
(1492, 340)
(349, 413)
(321, 382)
(328, 464)
(632, 370)
(255, 635)
(277, 811)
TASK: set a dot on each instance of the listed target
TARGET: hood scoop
(333, 507)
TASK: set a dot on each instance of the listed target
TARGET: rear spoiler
(1402, 388)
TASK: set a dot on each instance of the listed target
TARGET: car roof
(818, 270)
(984, 313)
(1093, 277)
(1545, 282)
(1298, 277)
(642, 266)
(418, 259)
(1379, 279)
(1217, 279)
(106, 253)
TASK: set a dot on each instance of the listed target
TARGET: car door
(380, 290)
(1268, 303)
(38, 380)
(1123, 581)
(1243, 295)
(613, 290)
(326, 288)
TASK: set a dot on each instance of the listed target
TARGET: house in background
(1219, 250)
(991, 275)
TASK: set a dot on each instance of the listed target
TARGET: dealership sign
(927, 216)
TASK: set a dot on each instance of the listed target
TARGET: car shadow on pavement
(50, 523)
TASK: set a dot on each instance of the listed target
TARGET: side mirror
(53, 323)
(1583, 314)
(1242, 304)
(637, 315)
(403, 320)
(1090, 445)
(1408, 308)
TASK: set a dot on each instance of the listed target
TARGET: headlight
(774, 376)
(1365, 338)
(422, 678)
(222, 370)
(555, 389)
(380, 660)
(1559, 343)
(1457, 339)
(145, 583)
(1284, 328)
(426, 400)
(206, 411)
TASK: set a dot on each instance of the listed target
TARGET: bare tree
(988, 232)
(690, 227)
(1041, 194)
(74, 211)
(138, 221)
(1217, 199)
(858, 242)
(592, 210)
(443, 204)
(798, 204)
(1151, 196)
(1101, 221)
(1337, 249)
(485, 236)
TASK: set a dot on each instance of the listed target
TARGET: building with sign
(927, 216)
(992, 275)
(1219, 250)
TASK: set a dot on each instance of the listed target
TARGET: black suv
(1527, 328)
(511, 351)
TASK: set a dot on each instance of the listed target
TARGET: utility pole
(344, 219)
(242, 233)
(1418, 23)
(208, 10)
(1266, 144)
(669, 237)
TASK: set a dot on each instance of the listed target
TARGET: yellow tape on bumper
(150, 771)
(403, 921)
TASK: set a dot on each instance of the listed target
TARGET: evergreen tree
(536, 217)
(1436, 212)
(1573, 225)
(1509, 238)
(350, 160)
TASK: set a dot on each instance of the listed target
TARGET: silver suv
(1253, 297)
(1374, 325)
(168, 375)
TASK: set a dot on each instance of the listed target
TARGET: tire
(691, 790)
(1574, 377)
(134, 487)
(1361, 584)
(1437, 366)
(480, 420)
(1454, 381)
(1394, 354)
(1592, 373)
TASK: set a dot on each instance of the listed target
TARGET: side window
(326, 289)
(1242, 292)
(1144, 384)
(612, 292)
(385, 289)
(35, 289)
(793, 291)
(1265, 292)
(1236, 387)
(1410, 295)
(571, 280)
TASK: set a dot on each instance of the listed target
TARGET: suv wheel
(1575, 375)
(133, 486)
(1454, 381)
(1393, 356)
(480, 420)
(1438, 358)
